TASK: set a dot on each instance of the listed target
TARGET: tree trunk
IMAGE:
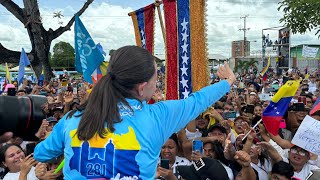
(39, 39)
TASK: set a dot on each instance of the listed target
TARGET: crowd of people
(226, 154)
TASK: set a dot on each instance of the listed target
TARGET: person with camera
(118, 125)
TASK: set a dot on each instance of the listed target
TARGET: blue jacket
(132, 150)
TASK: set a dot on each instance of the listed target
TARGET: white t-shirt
(15, 176)
(305, 171)
(193, 135)
(229, 171)
(262, 170)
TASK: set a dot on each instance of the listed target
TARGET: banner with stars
(186, 48)
(278, 106)
(143, 23)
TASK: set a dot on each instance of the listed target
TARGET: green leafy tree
(241, 65)
(63, 55)
(301, 15)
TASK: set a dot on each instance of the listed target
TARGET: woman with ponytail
(116, 134)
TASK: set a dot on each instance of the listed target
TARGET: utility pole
(244, 29)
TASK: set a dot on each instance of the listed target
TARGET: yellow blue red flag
(143, 23)
(278, 106)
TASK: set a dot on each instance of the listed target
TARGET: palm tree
(241, 65)
(252, 62)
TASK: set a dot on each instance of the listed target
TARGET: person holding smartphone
(169, 159)
(117, 124)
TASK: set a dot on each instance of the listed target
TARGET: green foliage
(241, 65)
(251, 62)
(301, 15)
(63, 55)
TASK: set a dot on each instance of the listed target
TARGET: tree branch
(8, 55)
(61, 30)
(14, 9)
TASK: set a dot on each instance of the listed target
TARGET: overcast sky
(108, 23)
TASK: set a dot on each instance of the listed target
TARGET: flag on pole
(306, 72)
(42, 75)
(264, 72)
(143, 23)
(8, 74)
(186, 66)
(88, 56)
(315, 107)
(41, 78)
(24, 61)
(278, 106)
(100, 70)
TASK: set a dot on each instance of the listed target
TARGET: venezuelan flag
(186, 47)
(264, 72)
(8, 74)
(278, 106)
(99, 72)
(143, 23)
(316, 107)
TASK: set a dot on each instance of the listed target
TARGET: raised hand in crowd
(229, 150)
(82, 95)
(214, 114)
(263, 133)
(247, 172)
(68, 97)
(42, 173)
(42, 132)
(196, 156)
(26, 165)
(272, 152)
(167, 174)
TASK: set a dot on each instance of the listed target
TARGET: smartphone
(75, 91)
(40, 83)
(239, 90)
(229, 115)
(30, 148)
(298, 107)
(164, 163)
(302, 99)
(197, 145)
(250, 108)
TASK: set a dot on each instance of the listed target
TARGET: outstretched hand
(224, 72)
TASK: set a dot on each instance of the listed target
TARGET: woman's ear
(140, 88)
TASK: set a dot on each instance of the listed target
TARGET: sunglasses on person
(300, 152)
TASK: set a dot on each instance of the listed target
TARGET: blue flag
(101, 49)
(24, 61)
(88, 56)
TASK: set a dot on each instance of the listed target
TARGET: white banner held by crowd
(307, 136)
(309, 52)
